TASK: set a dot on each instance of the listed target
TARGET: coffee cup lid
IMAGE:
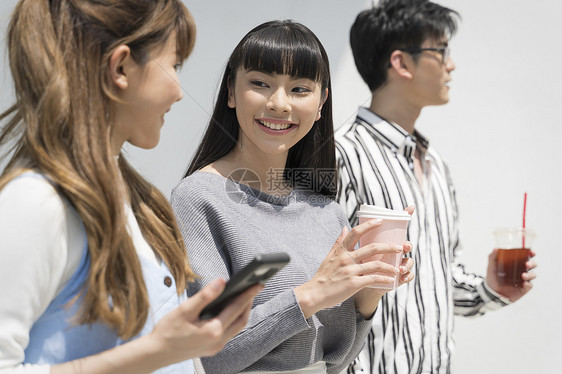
(373, 211)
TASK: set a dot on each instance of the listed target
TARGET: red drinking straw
(524, 214)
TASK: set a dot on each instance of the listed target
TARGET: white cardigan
(41, 242)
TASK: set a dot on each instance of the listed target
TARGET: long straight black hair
(280, 47)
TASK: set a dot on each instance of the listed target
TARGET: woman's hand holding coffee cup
(393, 230)
(368, 298)
(366, 273)
(345, 271)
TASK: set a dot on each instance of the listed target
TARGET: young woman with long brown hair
(93, 269)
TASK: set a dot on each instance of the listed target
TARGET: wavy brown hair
(60, 125)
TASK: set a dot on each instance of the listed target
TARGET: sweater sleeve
(210, 237)
(33, 265)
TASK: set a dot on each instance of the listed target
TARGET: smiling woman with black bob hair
(268, 49)
(260, 183)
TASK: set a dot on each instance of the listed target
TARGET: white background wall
(500, 134)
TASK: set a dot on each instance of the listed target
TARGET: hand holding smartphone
(259, 270)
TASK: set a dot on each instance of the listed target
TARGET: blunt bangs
(283, 50)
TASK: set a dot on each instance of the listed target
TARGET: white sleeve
(34, 238)
(27, 369)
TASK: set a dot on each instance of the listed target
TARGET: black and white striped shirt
(412, 327)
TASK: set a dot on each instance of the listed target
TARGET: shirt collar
(392, 135)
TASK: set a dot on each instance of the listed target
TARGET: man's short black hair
(392, 25)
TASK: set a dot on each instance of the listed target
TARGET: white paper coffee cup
(393, 230)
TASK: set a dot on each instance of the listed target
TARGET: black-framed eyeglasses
(444, 51)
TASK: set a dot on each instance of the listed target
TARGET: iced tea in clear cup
(514, 250)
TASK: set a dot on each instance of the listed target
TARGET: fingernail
(216, 284)
(402, 269)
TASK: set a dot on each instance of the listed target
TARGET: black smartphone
(259, 270)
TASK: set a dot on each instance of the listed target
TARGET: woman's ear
(400, 64)
(118, 66)
(322, 101)
(231, 99)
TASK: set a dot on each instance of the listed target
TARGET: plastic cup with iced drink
(393, 230)
(514, 250)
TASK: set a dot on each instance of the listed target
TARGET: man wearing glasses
(401, 51)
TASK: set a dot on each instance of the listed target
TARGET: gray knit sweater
(224, 224)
